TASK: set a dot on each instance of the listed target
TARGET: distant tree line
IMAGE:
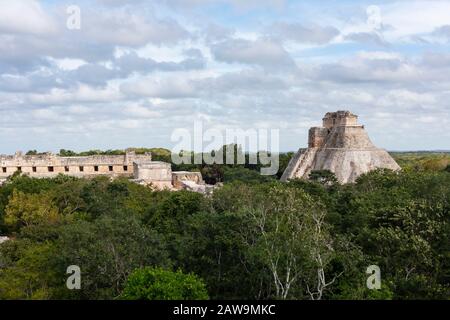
(212, 173)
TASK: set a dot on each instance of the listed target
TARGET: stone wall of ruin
(157, 173)
(339, 118)
(180, 177)
(317, 137)
(141, 168)
(50, 165)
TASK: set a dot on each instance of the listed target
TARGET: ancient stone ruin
(342, 146)
(140, 168)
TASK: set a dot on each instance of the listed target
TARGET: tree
(407, 245)
(212, 247)
(294, 241)
(172, 209)
(25, 184)
(67, 153)
(212, 173)
(26, 270)
(281, 232)
(159, 284)
(325, 177)
(244, 175)
(27, 209)
(401, 222)
(107, 251)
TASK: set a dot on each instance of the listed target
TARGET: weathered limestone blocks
(141, 168)
(342, 146)
(155, 173)
(339, 118)
(50, 165)
(317, 137)
(179, 179)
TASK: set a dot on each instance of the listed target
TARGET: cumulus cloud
(407, 18)
(263, 52)
(133, 63)
(214, 32)
(45, 114)
(29, 35)
(238, 5)
(128, 64)
(118, 2)
(165, 88)
(304, 34)
(246, 82)
(140, 111)
(437, 60)
(428, 72)
(25, 17)
(367, 37)
(442, 32)
(80, 94)
(379, 68)
(122, 28)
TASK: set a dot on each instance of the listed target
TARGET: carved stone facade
(317, 137)
(50, 165)
(339, 118)
(185, 179)
(140, 168)
(157, 173)
(342, 146)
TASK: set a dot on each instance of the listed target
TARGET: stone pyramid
(342, 146)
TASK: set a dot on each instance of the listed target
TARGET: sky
(128, 73)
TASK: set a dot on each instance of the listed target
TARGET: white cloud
(166, 88)
(366, 37)
(140, 111)
(370, 68)
(24, 16)
(304, 34)
(130, 123)
(264, 52)
(45, 114)
(68, 64)
(131, 29)
(239, 5)
(80, 110)
(401, 99)
(82, 93)
(407, 18)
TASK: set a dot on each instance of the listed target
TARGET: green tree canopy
(159, 284)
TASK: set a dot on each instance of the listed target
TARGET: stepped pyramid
(342, 146)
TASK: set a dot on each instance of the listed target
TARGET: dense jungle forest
(253, 238)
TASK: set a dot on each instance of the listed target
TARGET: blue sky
(137, 70)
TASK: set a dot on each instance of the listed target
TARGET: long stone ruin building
(140, 168)
(342, 146)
